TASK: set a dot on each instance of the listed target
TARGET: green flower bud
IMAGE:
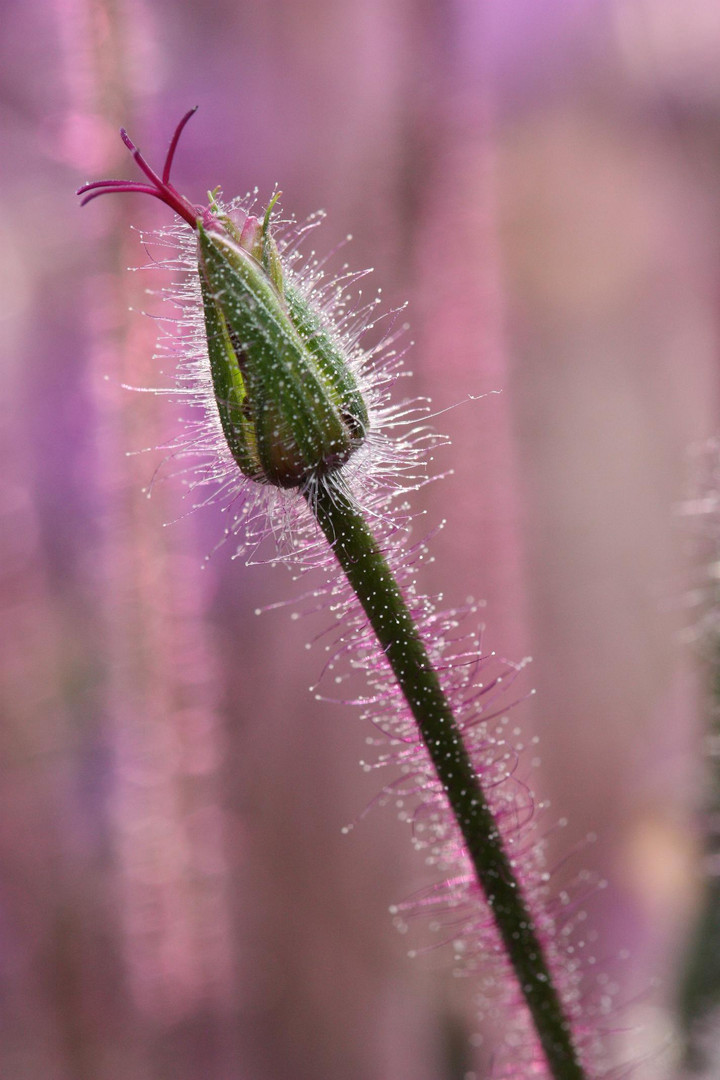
(289, 404)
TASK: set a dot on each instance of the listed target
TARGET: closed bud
(289, 404)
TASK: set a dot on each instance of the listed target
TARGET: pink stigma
(159, 186)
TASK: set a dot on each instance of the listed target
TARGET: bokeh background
(541, 180)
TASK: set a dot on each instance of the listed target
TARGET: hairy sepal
(289, 405)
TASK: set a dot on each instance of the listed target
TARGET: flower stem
(374, 584)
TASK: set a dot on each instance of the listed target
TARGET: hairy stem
(374, 584)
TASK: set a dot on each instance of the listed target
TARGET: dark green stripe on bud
(289, 404)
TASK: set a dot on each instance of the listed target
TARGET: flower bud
(289, 408)
(289, 404)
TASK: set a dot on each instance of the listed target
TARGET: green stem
(373, 583)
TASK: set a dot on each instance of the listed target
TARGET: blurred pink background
(540, 181)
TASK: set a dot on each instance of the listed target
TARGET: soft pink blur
(540, 181)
